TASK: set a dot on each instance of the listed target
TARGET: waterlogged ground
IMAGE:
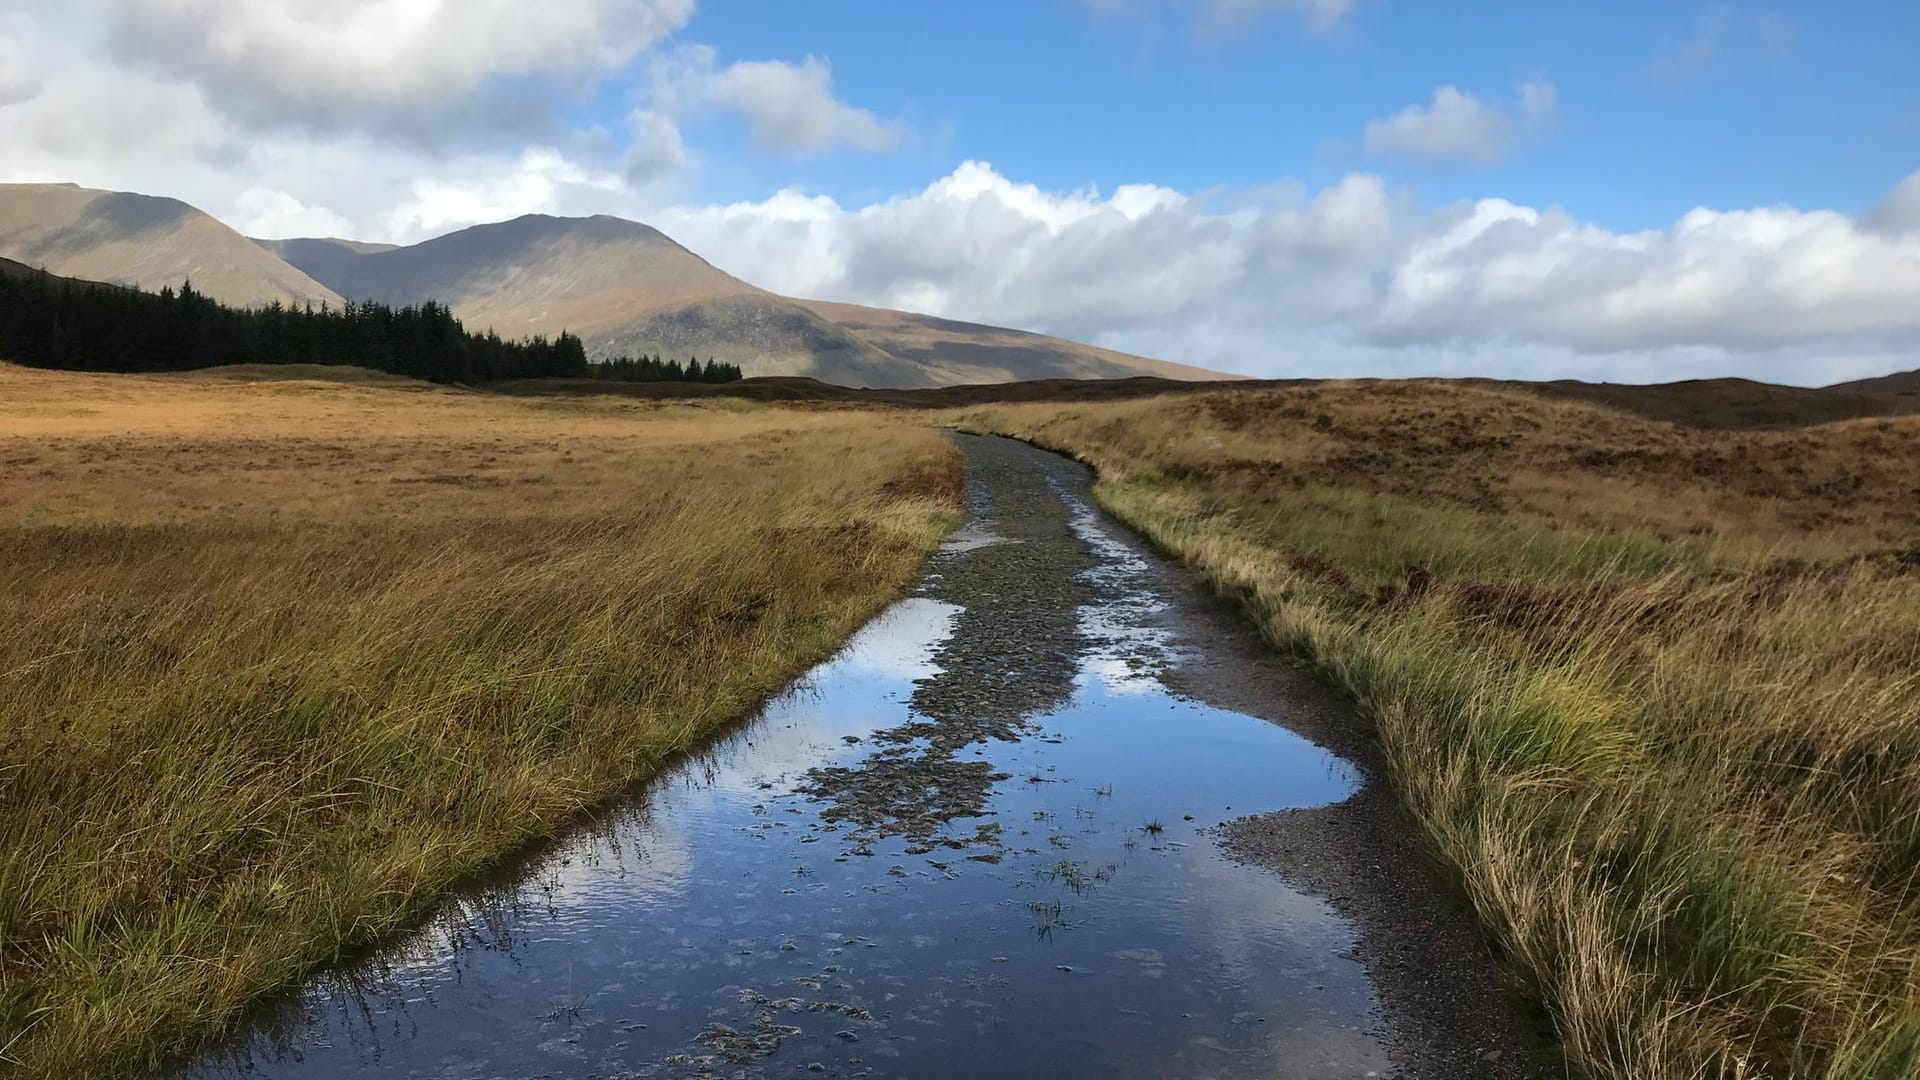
(978, 842)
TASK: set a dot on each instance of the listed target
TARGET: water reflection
(971, 844)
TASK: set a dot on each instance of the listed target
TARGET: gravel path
(1447, 1006)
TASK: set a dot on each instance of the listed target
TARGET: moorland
(291, 650)
(1650, 688)
(288, 650)
(282, 658)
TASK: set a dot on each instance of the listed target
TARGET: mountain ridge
(626, 287)
(623, 286)
(151, 241)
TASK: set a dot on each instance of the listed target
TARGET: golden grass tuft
(1653, 692)
(281, 661)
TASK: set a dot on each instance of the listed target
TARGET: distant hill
(624, 287)
(800, 388)
(9, 268)
(1735, 403)
(627, 288)
(961, 353)
(1905, 384)
(143, 240)
(1704, 403)
(320, 259)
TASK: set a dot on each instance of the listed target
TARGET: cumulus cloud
(541, 180)
(787, 107)
(1458, 126)
(1351, 280)
(792, 107)
(108, 126)
(1900, 210)
(305, 148)
(358, 62)
(1745, 280)
(267, 212)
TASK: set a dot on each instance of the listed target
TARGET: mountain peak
(621, 285)
(147, 240)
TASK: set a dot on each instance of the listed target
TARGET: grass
(280, 662)
(1652, 691)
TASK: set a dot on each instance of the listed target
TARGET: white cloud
(792, 107)
(267, 212)
(87, 113)
(353, 63)
(1458, 126)
(1745, 280)
(1900, 210)
(1351, 280)
(106, 126)
(655, 150)
(787, 107)
(1723, 37)
(542, 180)
(19, 79)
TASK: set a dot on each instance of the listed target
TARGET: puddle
(952, 851)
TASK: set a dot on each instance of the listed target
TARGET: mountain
(963, 353)
(143, 240)
(627, 288)
(621, 286)
(322, 258)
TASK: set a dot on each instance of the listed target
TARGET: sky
(1631, 191)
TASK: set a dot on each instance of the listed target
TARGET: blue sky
(1627, 191)
(1822, 111)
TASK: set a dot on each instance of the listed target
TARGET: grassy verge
(1654, 692)
(279, 662)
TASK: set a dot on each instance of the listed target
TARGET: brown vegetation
(280, 661)
(1653, 690)
(1713, 404)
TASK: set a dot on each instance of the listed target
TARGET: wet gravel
(1449, 1009)
(1012, 657)
(996, 836)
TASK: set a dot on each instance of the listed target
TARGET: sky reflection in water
(1111, 937)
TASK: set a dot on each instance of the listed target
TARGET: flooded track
(980, 841)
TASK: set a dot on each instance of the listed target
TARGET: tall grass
(1653, 692)
(266, 690)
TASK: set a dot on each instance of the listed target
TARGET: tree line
(53, 322)
(653, 369)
